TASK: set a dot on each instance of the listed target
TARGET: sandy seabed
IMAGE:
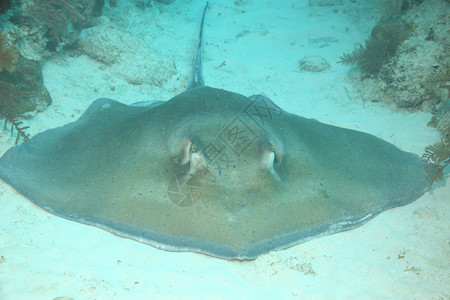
(250, 47)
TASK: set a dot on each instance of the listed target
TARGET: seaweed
(381, 45)
(436, 158)
(369, 58)
(11, 97)
(11, 117)
(354, 58)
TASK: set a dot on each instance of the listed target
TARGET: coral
(8, 56)
(436, 158)
(11, 98)
(63, 19)
(407, 78)
(381, 45)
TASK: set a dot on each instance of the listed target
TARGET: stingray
(211, 171)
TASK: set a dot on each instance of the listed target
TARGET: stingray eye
(277, 154)
(188, 147)
(268, 155)
(194, 148)
(274, 153)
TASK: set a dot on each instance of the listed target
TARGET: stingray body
(211, 171)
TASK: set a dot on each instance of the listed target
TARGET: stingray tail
(196, 78)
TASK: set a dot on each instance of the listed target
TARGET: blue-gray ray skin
(211, 171)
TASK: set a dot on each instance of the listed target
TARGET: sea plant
(381, 45)
(11, 97)
(436, 158)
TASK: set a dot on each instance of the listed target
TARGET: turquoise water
(286, 50)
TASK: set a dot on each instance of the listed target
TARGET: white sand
(402, 253)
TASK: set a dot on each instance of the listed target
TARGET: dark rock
(28, 76)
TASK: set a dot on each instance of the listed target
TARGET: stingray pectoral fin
(218, 179)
